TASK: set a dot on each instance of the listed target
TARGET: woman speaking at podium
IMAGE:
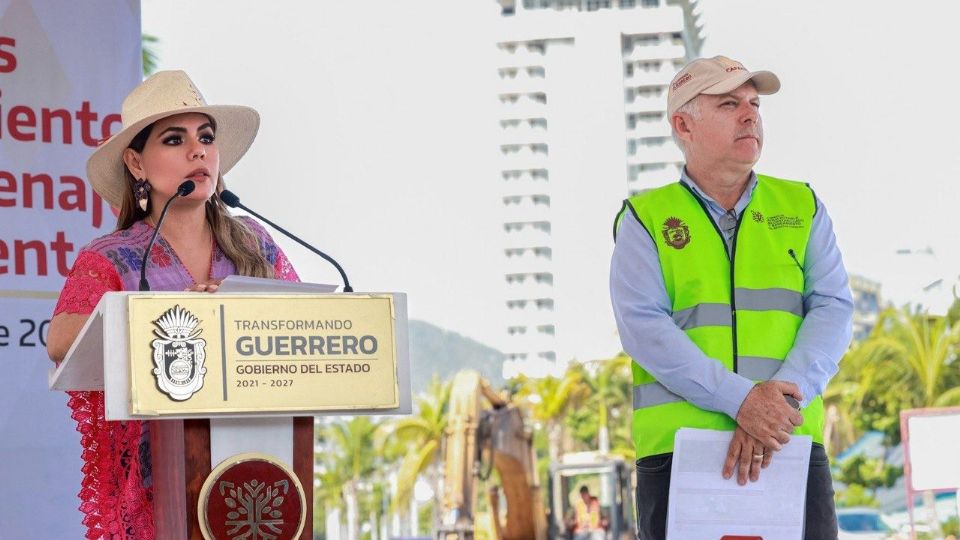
(170, 136)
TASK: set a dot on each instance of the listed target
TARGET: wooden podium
(230, 384)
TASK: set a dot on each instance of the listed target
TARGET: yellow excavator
(485, 431)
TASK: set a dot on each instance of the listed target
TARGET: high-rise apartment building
(582, 91)
(866, 305)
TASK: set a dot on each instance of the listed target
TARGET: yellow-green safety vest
(742, 308)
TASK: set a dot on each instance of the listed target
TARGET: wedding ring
(757, 457)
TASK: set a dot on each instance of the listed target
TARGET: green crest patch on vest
(675, 233)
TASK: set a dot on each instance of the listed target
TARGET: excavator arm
(498, 433)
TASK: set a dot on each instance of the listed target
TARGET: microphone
(183, 190)
(233, 201)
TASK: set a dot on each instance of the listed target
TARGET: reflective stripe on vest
(742, 309)
(751, 367)
(747, 299)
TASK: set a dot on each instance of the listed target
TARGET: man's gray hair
(692, 108)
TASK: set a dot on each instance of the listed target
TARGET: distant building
(866, 305)
(582, 96)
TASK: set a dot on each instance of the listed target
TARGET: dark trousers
(653, 489)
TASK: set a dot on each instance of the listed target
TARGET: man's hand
(743, 453)
(766, 416)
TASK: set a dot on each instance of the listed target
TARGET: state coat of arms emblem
(178, 354)
(675, 233)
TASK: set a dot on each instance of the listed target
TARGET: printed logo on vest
(781, 221)
(675, 233)
(178, 354)
(757, 216)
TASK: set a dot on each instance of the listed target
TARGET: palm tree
(612, 387)
(422, 433)
(328, 493)
(148, 49)
(356, 460)
(604, 423)
(849, 395)
(906, 362)
(550, 398)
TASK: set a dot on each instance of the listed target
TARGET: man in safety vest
(730, 295)
(587, 521)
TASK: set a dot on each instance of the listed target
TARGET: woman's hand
(205, 287)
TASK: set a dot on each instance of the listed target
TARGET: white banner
(64, 70)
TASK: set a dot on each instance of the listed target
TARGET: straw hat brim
(237, 127)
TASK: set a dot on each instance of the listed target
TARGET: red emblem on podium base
(252, 496)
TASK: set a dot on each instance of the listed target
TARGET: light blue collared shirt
(651, 337)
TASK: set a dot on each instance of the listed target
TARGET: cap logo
(736, 68)
(682, 81)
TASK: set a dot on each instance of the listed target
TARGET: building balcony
(526, 238)
(527, 264)
(524, 160)
(522, 85)
(649, 78)
(646, 104)
(530, 342)
(647, 179)
(656, 52)
(524, 137)
(525, 188)
(530, 318)
(526, 108)
(535, 368)
(649, 129)
(521, 56)
(525, 210)
(521, 131)
(668, 153)
(521, 178)
(529, 287)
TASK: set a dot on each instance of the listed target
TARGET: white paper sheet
(705, 506)
(244, 284)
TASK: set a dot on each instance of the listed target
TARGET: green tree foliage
(148, 48)
(908, 361)
(349, 465)
(864, 476)
(855, 495)
(549, 399)
(420, 435)
(608, 406)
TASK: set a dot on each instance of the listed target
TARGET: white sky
(378, 141)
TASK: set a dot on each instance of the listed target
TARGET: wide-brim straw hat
(167, 93)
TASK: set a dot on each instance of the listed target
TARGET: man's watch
(792, 401)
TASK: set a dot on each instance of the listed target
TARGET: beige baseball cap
(714, 76)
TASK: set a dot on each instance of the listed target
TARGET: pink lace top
(116, 491)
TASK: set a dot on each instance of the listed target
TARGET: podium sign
(231, 382)
(224, 353)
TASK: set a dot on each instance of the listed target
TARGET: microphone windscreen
(186, 188)
(229, 198)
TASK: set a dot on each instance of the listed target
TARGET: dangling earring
(141, 191)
